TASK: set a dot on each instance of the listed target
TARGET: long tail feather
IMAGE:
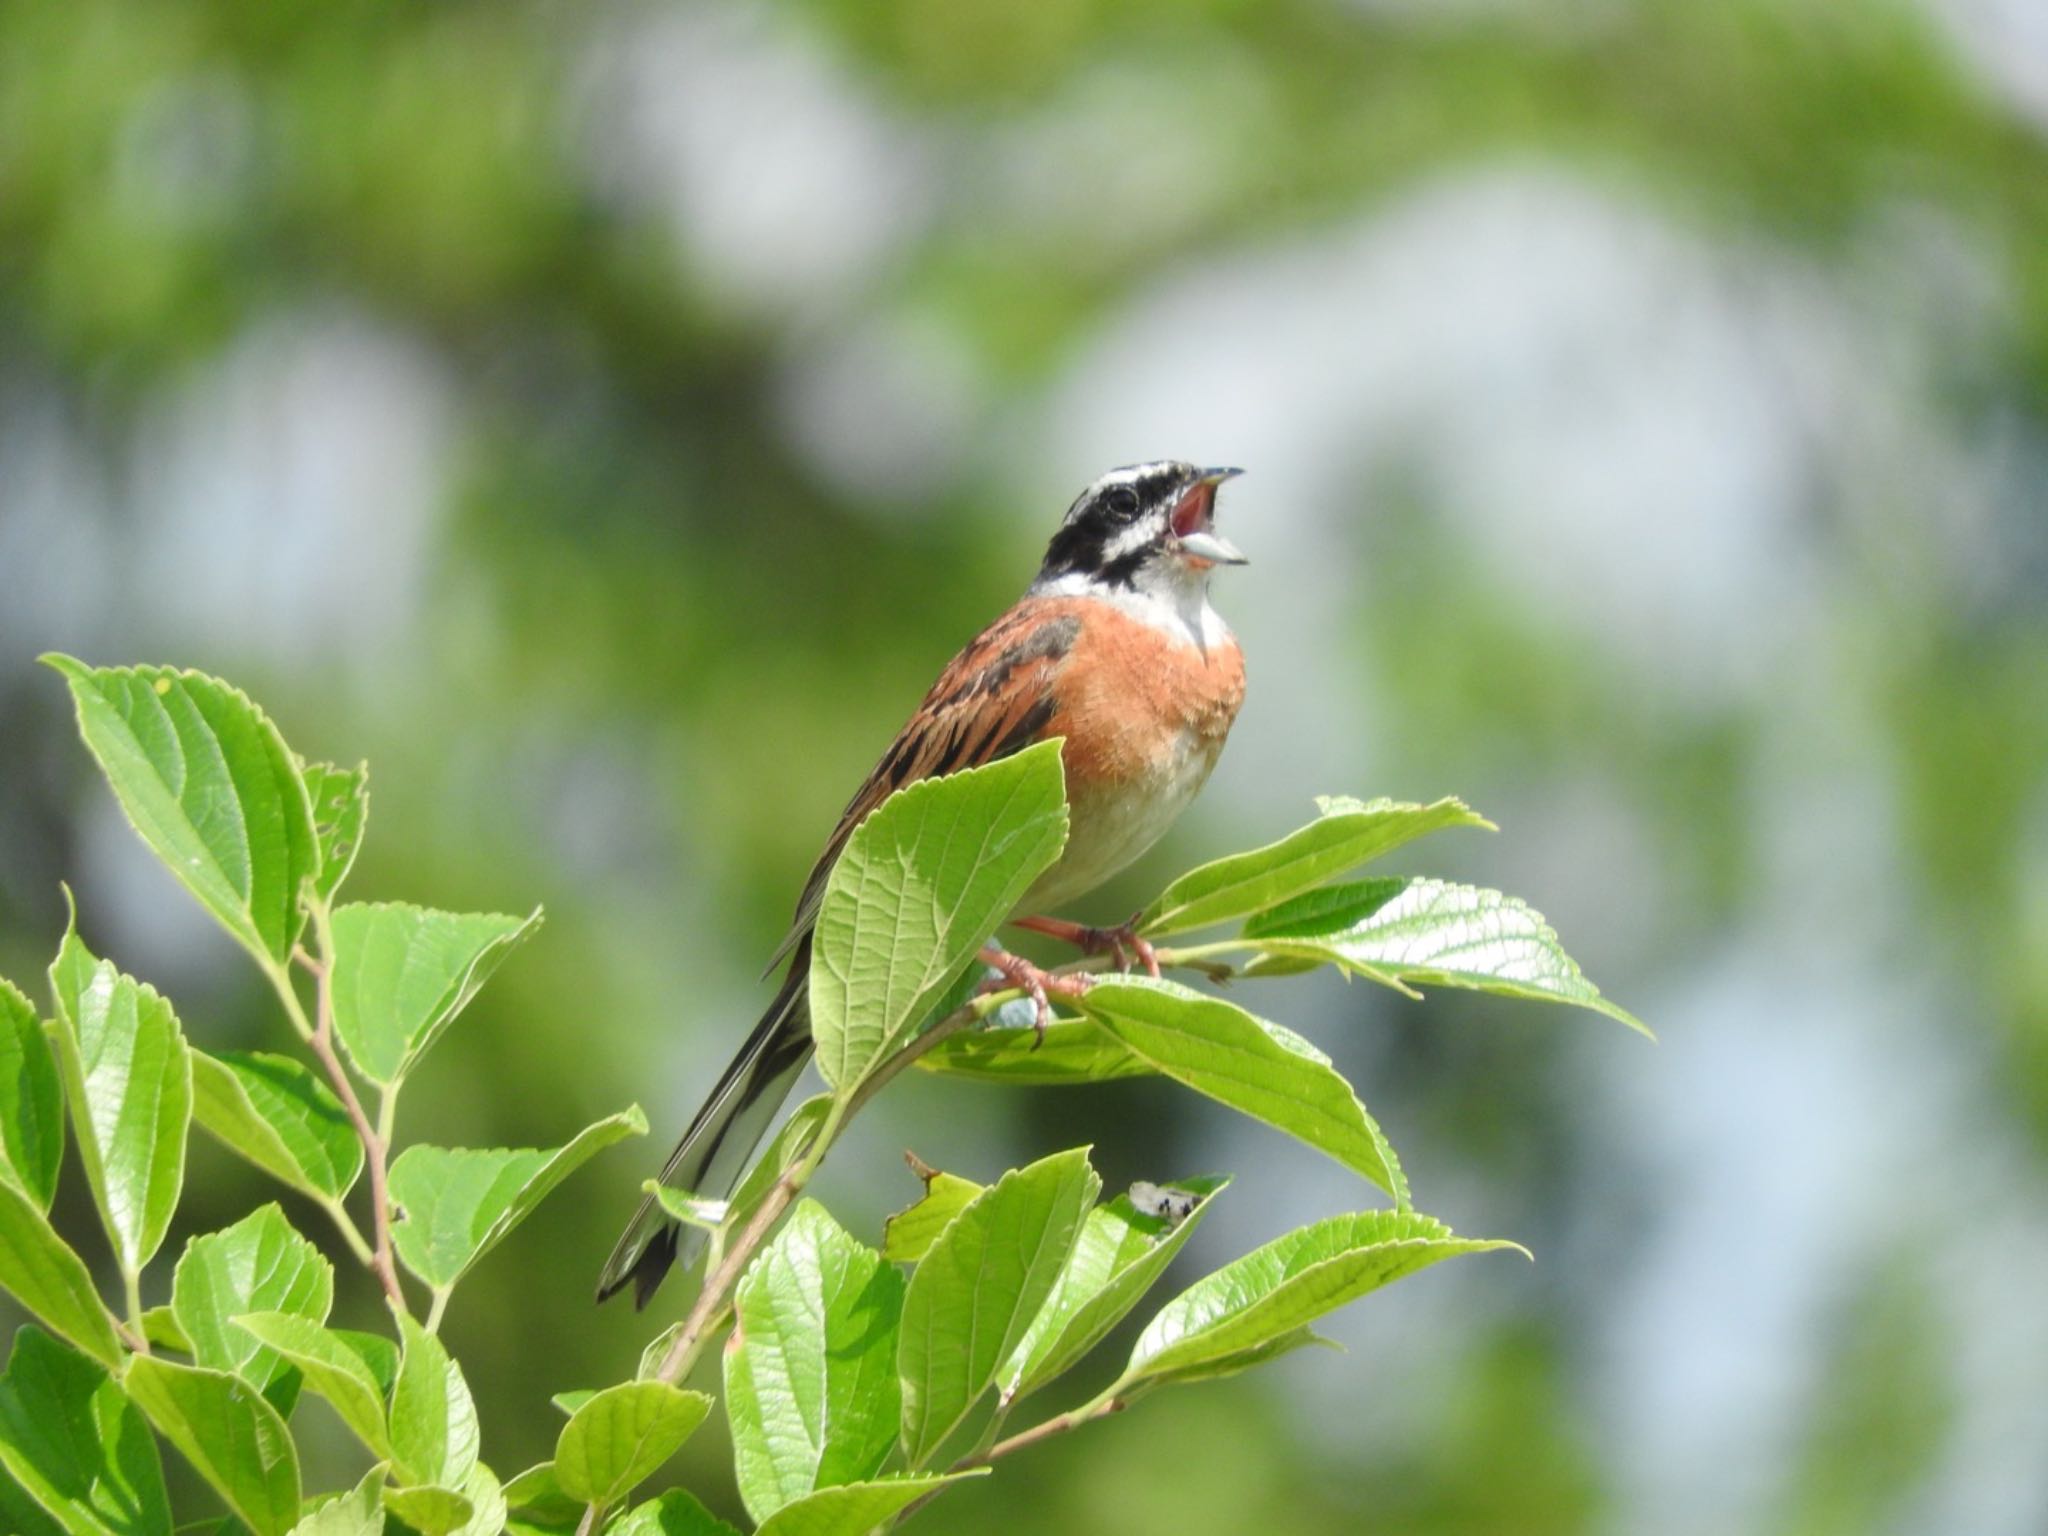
(713, 1153)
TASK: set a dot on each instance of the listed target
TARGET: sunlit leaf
(1433, 933)
(430, 1510)
(401, 973)
(615, 1440)
(432, 1417)
(460, 1202)
(1346, 834)
(31, 1103)
(1118, 1255)
(856, 1508)
(537, 1492)
(72, 1440)
(277, 1114)
(1255, 1066)
(1073, 1051)
(229, 1433)
(340, 800)
(212, 788)
(257, 1265)
(330, 1367)
(1273, 1291)
(359, 1512)
(675, 1513)
(787, 1145)
(39, 1269)
(910, 1233)
(921, 885)
(128, 1076)
(810, 1384)
(979, 1286)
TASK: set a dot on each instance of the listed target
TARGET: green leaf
(1251, 1064)
(21, 1515)
(212, 788)
(359, 1512)
(71, 1439)
(377, 1353)
(487, 1500)
(621, 1435)
(230, 1434)
(1245, 1359)
(569, 1402)
(789, 1144)
(1346, 834)
(1433, 933)
(433, 1418)
(38, 1268)
(330, 1367)
(675, 1513)
(128, 1075)
(340, 801)
(909, 1234)
(401, 973)
(537, 1492)
(922, 883)
(1273, 1291)
(31, 1103)
(163, 1332)
(1073, 1051)
(855, 1508)
(277, 1114)
(460, 1202)
(257, 1265)
(430, 1510)
(1117, 1257)
(979, 1286)
(691, 1211)
(810, 1384)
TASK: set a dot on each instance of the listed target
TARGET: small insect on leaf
(1172, 1206)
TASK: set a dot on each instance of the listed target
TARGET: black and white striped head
(1144, 527)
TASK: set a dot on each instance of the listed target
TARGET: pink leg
(1016, 971)
(1122, 941)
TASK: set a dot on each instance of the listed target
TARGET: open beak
(1194, 527)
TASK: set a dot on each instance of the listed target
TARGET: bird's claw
(1036, 983)
(1121, 942)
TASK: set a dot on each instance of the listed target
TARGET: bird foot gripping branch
(1037, 983)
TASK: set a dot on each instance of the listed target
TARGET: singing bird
(1115, 649)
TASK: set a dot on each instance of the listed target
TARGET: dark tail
(713, 1153)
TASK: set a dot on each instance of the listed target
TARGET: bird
(1115, 649)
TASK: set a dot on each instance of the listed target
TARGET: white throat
(1166, 595)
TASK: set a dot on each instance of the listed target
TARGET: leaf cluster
(858, 1380)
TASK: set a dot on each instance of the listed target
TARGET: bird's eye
(1123, 501)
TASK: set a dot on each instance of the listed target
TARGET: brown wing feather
(994, 698)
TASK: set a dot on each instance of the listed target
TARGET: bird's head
(1144, 527)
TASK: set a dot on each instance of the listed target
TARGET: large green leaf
(811, 1382)
(1073, 1051)
(128, 1075)
(1433, 933)
(71, 1438)
(979, 1286)
(340, 799)
(430, 1510)
(401, 973)
(1118, 1255)
(257, 1265)
(38, 1268)
(537, 1492)
(675, 1513)
(212, 788)
(460, 1202)
(1251, 1064)
(433, 1417)
(277, 1114)
(909, 1234)
(31, 1102)
(621, 1435)
(330, 1368)
(230, 1434)
(1346, 834)
(1276, 1290)
(921, 885)
(856, 1508)
(21, 1515)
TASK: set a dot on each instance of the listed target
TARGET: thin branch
(320, 1037)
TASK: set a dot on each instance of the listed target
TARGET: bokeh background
(605, 418)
